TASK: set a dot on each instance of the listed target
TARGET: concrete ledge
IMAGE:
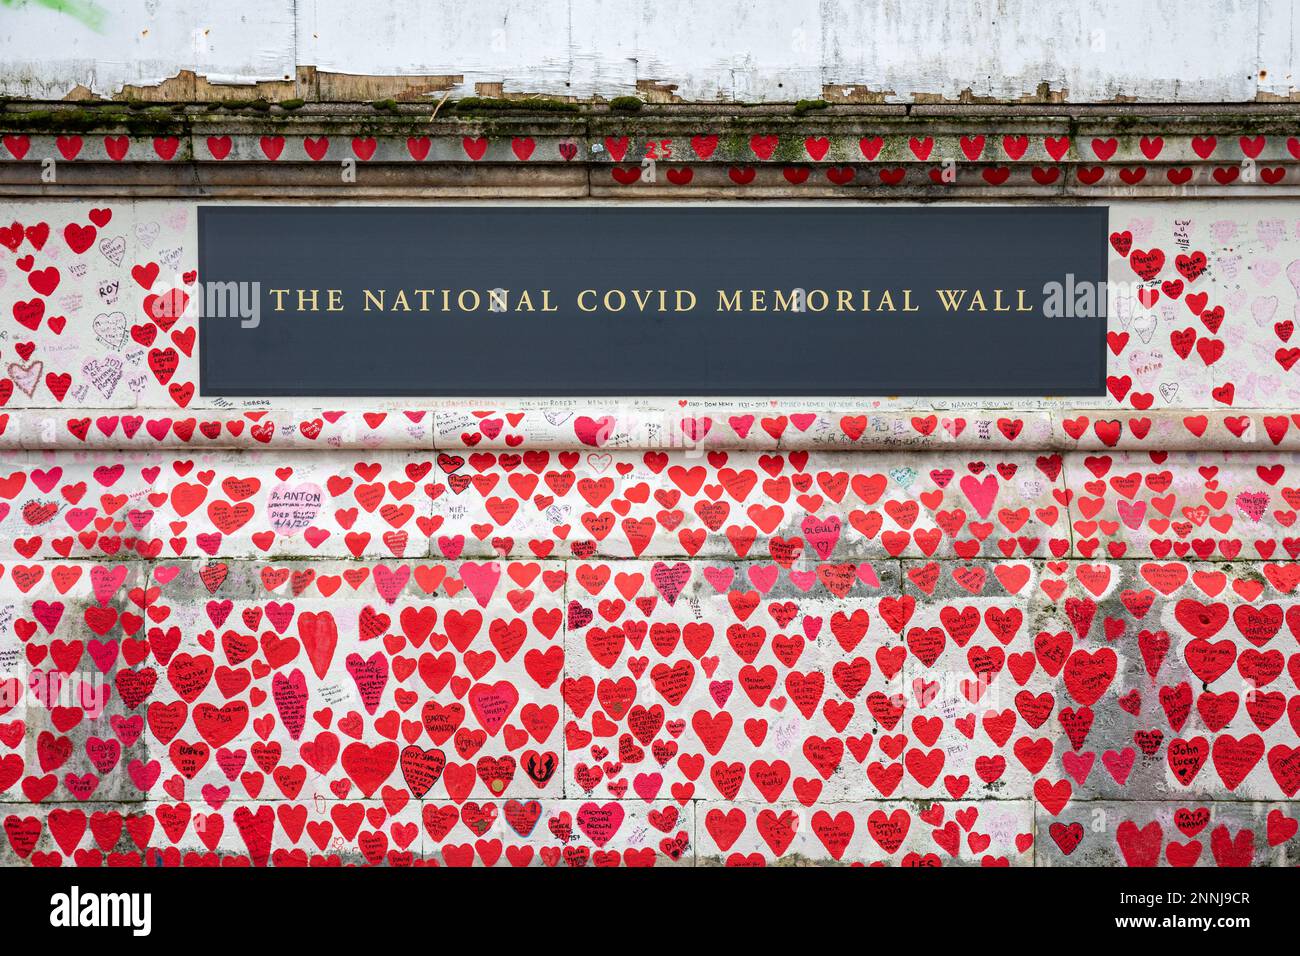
(878, 153)
(696, 426)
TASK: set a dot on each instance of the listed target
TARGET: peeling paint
(188, 86)
(658, 91)
(857, 93)
(309, 84)
(968, 97)
(329, 87)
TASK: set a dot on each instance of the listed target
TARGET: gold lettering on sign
(648, 301)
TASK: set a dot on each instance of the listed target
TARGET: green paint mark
(87, 11)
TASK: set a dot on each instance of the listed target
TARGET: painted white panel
(45, 53)
(765, 51)
(1096, 49)
(728, 50)
(1279, 46)
(734, 50)
(525, 44)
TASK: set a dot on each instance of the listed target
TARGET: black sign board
(625, 300)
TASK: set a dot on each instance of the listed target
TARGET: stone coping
(424, 150)
(687, 426)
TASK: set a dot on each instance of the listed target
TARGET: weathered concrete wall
(523, 635)
(877, 51)
(1044, 631)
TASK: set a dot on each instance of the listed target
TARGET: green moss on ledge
(804, 106)
(735, 123)
(487, 104)
(153, 120)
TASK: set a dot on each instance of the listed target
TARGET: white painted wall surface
(746, 50)
(103, 44)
